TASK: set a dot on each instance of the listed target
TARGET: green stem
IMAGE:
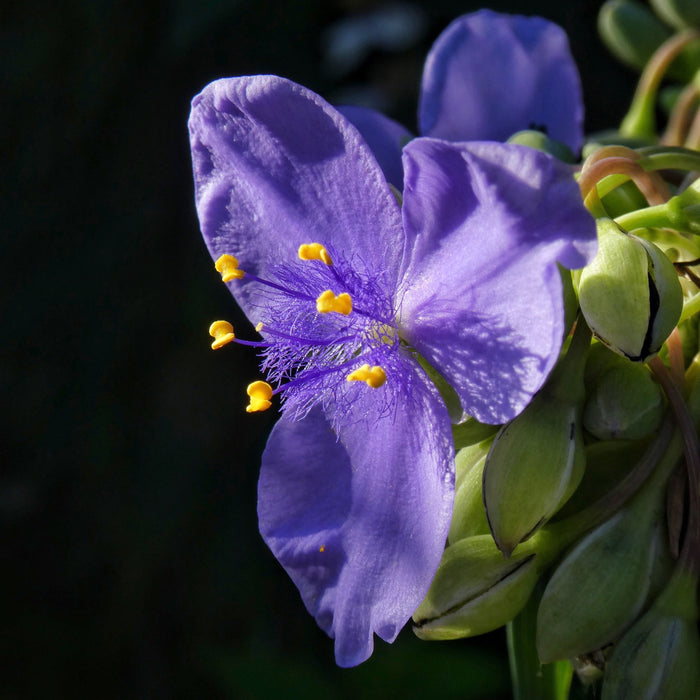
(640, 121)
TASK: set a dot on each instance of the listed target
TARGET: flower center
(327, 327)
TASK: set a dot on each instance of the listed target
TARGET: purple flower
(487, 76)
(490, 75)
(356, 485)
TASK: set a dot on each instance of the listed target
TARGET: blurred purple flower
(486, 77)
(357, 479)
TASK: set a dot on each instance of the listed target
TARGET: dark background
(130, 563)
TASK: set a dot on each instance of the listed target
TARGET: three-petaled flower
(351, 291)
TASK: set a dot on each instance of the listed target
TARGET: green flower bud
(476, 590)
(468, 514)
(630, 294)
(537, 460)
(542, 142)
(624, 402)
(630, 31)
(658, 656)
(600, 586)
(681, 14)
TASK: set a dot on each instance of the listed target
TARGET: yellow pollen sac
(260, 394)
(327, 302)
(259, 327)
(372, 376)
(222, 332)
(314, 251)
(227, 265)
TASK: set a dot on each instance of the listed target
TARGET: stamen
(314, 251)
(260, 394)
(222, 332)
(372, 376)
(327, 302)
(227, 265)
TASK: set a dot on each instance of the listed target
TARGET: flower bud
(476, 590)
(537, 460)
(630, 294)
(468, 514)
(658, 656)
(599, 587)
(624, 402)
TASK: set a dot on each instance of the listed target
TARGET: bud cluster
(580, 516)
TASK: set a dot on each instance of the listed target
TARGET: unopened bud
(537, 460)
(599, 587)
(534, 465)
(623, 402)
(630, 294)
(658, 656)
(476, 590)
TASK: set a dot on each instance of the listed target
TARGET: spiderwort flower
(347, 286)
(486, 77)
(490, 75)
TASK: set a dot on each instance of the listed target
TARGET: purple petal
(486, 224)
(276, 166)
(359, 521)
(489, 75)
(384, 136)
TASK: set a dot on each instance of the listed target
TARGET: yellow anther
(227, 265)
(327, 302)
(259, 327)
(222, 332)
(314, 251)
(260, 394)
(372, 376)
